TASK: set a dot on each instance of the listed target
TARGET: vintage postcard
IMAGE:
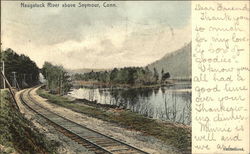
(158, 77)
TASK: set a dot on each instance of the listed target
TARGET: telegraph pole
(61, 84)
(14, 79)
(3, 69)
(4, 86)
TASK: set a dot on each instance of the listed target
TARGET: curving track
(91, 139)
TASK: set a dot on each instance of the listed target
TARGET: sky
(131, 34)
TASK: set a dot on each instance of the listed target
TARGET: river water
(170, 103)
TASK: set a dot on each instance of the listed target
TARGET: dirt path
(147, 143)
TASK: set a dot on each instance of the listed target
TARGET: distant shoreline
(79, 83)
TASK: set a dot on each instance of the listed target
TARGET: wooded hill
(177, 63)
(26, 70)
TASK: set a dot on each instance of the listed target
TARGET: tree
(113, 74)
(126, 75)
(27, 72)
(131, 76)
(162, 73)
(156, 75)
(58, 80)
(165, 76)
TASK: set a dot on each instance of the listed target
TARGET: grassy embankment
(17, 134)
(178, 136)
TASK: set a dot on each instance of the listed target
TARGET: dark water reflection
(165, 103)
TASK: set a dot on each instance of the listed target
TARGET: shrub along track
(92, 140)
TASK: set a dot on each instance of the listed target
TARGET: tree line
(126, 75)
(57, 79)
(20, 70)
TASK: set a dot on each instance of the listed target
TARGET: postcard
(158, 77)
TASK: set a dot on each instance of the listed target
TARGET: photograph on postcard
(96, 76)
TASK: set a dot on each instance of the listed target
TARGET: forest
(126, 75)
(20, 70)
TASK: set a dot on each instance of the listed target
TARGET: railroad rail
(90, 139)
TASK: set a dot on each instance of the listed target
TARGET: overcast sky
(131, 34)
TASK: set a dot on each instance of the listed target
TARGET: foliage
(156, 75)
(165, 76)
(126, 75)
(27, 72)
(19, 134)
(58, 80)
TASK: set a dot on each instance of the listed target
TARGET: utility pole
(23, 82)
(3, 69)
(14, 79)
(61, 79)
(11, 92)
(4, 86)
(59, 83)
(18, 87)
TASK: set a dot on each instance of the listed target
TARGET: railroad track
(91, 139)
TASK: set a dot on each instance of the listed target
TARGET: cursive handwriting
(220, 76)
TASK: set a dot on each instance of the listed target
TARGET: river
(170, 103)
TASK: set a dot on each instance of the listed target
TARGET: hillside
(177, 63)
(25, 70)
(19, 135)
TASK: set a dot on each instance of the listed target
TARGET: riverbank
(177, 135)
(17, 134)
(80, 83)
